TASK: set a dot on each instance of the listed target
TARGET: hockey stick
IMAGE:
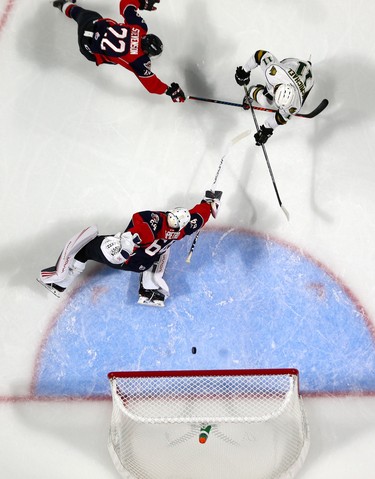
(233, 142)
(322, 105)
(265, 154)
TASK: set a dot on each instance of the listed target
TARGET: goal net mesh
(211, 424)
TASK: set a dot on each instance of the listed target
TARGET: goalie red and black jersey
(156, 236)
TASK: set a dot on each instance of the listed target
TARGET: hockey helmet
(284, 95)
(152, 45)
(178, 218)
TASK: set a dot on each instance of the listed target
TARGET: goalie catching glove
(129, 243)
(213, 199)
(117, 249)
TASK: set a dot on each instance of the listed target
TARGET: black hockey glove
(175, 92)
(213, 199)
(242, 77)
(262, 135)
(148, 4)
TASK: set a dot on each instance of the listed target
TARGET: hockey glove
(60, 3)
(111, 247)
(242, 77)
(175, 92)
(213, 198)
(262, 135)
(148, 4)
(129, 243)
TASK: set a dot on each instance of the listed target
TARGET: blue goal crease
(244, 302)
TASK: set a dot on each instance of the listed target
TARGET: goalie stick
(322, 106)
(266, 155)
(233, 142)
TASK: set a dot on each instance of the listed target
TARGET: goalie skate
(151, 297)
(51, 288)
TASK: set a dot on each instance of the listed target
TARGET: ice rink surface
(82, 145)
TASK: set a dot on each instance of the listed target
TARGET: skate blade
(50, 288)
(148, 302)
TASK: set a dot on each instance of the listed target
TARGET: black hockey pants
(86, 20)
(92, 251)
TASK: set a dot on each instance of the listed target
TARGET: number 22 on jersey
(116, 36)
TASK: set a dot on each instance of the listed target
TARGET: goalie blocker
(213, 198)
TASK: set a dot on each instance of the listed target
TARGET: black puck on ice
(193, 349)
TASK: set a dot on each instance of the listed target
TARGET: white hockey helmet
(178, 218)
(284, 95)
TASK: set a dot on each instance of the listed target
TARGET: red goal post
(208, 423)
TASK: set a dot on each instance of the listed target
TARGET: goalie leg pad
(152, 278)
(66, 258)
(153, 290)
(57, 285)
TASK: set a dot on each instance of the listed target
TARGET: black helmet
(152, 45)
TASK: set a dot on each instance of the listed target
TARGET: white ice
(82, 145)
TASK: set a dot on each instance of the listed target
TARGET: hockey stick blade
(323, 104)
(285, 211)
(239, 137)
(188, 259)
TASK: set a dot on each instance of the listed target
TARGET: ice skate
(58, 283)
(52, 288)
(151, 297)
(60, 3)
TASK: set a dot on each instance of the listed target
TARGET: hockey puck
(193, 349)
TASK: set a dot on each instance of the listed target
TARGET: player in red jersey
(102, 40)
(143, 248)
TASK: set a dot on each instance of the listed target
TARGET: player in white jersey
(288, 83)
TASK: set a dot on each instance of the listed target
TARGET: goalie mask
(152, 45)
(178, 218)
(284, 96)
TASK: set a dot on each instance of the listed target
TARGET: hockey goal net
(207, 424)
